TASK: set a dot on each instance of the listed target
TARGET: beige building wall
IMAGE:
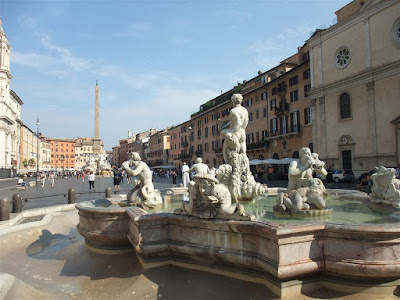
(28, 149)
(372, 80)
(83, 150)
(45, 154)
(159, 144)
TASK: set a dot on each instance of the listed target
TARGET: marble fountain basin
(356, 248)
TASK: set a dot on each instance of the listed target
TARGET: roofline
(14, 94)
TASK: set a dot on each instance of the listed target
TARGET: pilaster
(372, 118)
(314, 124)
(367, 43)
(322, 135)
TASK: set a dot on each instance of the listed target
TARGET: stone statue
(303, 192)
(385, 188)
(208, 199)
(143, 194)
(97, 163)
(248, 190)
(185, 175)
(199, 167)
(234, 149)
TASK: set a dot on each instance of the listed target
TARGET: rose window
(342, 57)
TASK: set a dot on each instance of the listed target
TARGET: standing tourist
(91, 179)
(329, 176)
(185, 175)
(174, 175)
(117, 180)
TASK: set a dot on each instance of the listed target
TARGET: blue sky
(156, 61)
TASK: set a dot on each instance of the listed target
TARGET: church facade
(10, 112)
(355, 82)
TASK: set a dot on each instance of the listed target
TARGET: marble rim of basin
(104, 225)
(364, 252)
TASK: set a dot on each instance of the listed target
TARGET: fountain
(97, 164)
(292, 240)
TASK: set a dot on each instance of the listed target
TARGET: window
(295, 121)
(273, 126)
(250, 116)
(206, 132)
(306, 74)
(306, 56)
(264, 96)
(293, 80)
(212, 145)
(273, 104)
(264, 112)
(198, 123)
(345, 106)
(265, 134)
(199, 134)
(205, 120)
(206, 148)
(395, 33)
(293, 96)
(342, 57)
(283, 125)
(307, 115)
(257, 114)
(307, 89)
(213, 130)
(250, 138)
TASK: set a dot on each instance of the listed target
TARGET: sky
(155, 62)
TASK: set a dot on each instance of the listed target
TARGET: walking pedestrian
(52, 177)
(91, 179)
(83, 176)
(42, 178)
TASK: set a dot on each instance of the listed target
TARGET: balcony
(198, 152)
(184, 156)
(185, 144)
(290, 132)
(218, 150)
(283, 107)
(260, 145)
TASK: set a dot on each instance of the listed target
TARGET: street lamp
(190, 144)
(37, 150)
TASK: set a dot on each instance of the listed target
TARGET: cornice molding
(366, 77)
(349, 22)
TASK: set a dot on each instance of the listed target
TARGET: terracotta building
(62, 153)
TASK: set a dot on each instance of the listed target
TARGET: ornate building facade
(10, 110)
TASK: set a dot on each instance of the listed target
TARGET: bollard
(108, 192)
(71, 196)
(4, 209)
(17, 203)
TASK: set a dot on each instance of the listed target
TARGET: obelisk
(96, 140)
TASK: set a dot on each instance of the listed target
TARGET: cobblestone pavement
(41, 197)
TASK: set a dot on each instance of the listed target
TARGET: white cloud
(271, 51)
(137, 30)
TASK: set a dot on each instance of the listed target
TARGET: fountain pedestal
(294, 255)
